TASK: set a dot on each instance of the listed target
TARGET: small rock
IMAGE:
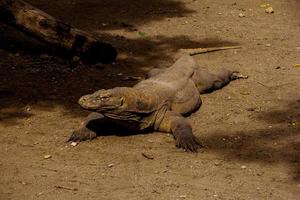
(242, 15)
(74, 144)
(120, 74)
(218, 163)
(260, 173)
(47, 156)
(182, 196)
(268, 45)
(76, 59)
(243, 167)
(111, 165)
(269, 10)
(297, 48)
(283, 68)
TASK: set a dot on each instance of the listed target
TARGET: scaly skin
(157, 102)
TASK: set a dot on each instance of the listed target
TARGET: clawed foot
(188, 143)
(81, 135)
(236, 75)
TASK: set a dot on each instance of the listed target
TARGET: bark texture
(46, 28)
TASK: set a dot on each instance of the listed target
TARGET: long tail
(196, 51)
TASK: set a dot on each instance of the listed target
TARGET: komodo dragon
(159, 102)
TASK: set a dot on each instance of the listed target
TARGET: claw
(190, 143)
(79, 135)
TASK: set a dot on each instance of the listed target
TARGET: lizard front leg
(85, 132)
(181, 130)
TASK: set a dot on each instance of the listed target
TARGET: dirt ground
(251, 128)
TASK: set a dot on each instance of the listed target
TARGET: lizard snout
(83, 100)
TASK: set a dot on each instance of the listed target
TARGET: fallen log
(46, 28)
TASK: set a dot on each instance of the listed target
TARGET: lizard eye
(104, 98)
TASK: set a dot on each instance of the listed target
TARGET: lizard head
(102, 100)
(122, 103)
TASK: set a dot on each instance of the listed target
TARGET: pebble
(182, 196)
(243, 167)
(242, 15)
(74, 144)
(268, 45)
(76, 58)
(218, 163)
(111, 165)
(269, 10)
(47, 156)
(283, 68)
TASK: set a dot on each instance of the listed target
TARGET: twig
(195, 51)
(264, 85)
(150, 157)
(65, 188)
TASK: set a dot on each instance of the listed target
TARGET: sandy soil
(251, 128)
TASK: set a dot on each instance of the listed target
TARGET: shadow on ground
(112, 14)
(29, 77)
(277, 144)
(49, 80)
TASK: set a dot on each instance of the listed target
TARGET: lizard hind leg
(207, 82)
